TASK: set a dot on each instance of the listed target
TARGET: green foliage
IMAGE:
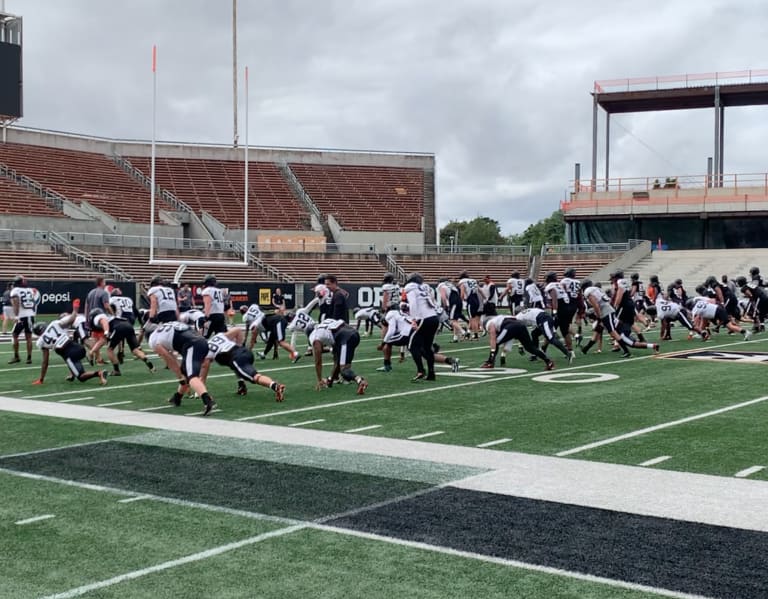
(550, 230)
(478, 231)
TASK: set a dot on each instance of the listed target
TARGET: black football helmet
(586, 283)
(19, 281)
(754, 271)
(39, 328)
(388, 278)
(551, 277)
(654, 278)
(157, 280)
(515, 275)
(209, 280)
(711, 281)
(569, 272)
(635, 276)
(415, 277)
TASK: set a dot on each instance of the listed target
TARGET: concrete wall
(406, 243)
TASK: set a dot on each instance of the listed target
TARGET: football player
(162, 301)
(450, 302)
(470, 295)
(342, 339)
(227, 349)
(250, 314)
(705, 310)
(54, 336)
(24, 300)
(543, 324)
(533, 297)
(423, 310)
(501, 330)
(115, 331)
(667, 311)
(515, 292)
(193, 348)
(370, 316)
(214, 307)
(275, 326)
(390, 293)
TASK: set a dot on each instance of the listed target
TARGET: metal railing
(52, 199)
(590, 248)
(686, 80)
(62, 245)
(506, 250)
(261, 265)
(675, 185)
(165, 195)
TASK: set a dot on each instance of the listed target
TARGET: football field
(608, 477)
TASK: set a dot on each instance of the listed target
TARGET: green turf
(94, 537)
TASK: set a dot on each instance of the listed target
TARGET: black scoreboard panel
(10, 80)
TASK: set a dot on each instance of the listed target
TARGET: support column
(593, 185)
(722, 144)
(717, 181)
(607, 147)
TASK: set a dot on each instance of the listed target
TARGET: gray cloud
(498, 90)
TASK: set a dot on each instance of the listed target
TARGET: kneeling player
(227, 349)
(55, 337)
(275, 325)
(116, 331)
(370, 316)
(505, 328)
(342, 339)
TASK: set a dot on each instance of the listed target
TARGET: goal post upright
(181, 262)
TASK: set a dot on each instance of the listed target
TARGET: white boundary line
(114, 403)
(492, 443)
(658, 427)
(35, 519)
(76, 399)
(307, 422)
(426, 435)
(749, 471)
(195, 557)
(654, 461)
(363, 428)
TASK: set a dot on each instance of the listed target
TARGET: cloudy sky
(498, 90)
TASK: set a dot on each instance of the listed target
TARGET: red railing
(687, 80)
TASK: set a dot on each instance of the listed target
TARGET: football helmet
(209, 280)
(569, 272)
(551, 277)
(39, 328)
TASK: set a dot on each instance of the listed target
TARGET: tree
(549, 230)
(478, 231)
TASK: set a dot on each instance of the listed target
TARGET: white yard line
(426, 435)
(75, 399)
(654, 461)
(307, 422)
(114, 403)
(132, 499)
(749, 471)
(492, 443)
(363, 428)
(195, 557)
(658, 427)
(35, 519)
(155, 408)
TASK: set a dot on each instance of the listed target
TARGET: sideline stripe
(492, 443)
(35, 519)
(114, 403)
(195, 557)
(654, 461)
(156, 408)
(425, 435)
(74, 399)
(749, 471)
(363, 428)
(658, 427)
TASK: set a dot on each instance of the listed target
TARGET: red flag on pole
(154, 59)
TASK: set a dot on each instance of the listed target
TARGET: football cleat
(385, 368)
(280, 393)
(362, 386)
(418, 378)
(455, 365)
(14, 360)
(486, 365)
(503, 360)
(115, 373)
(102, 377)
(210, 405)
(175, 399)
(571, 357)
(242, 389)
(29, 359)
(626, 354)
(655, 348)
(550, 365)
(747, 335)
(295, 357)
(261, 356)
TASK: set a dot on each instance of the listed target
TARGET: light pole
(234, 71)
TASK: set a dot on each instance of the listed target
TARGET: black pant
(421, 345)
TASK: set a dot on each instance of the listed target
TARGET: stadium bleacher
(433, 267)
(81, 176)
(217, 186)
(363, 198)
(41, 264)
(585, 264)
(15, 199)
(350, 268)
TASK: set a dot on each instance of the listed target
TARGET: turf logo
(740, 357)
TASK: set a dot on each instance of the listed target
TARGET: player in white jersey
(502, 329)
(560, 307)
(390, 293)
(227, 349)
(514, 292)
(162, 301)
(533, 297)
(667, 311)
(450, 301)
(214, 307)
(370, 316)
(342, 340)
(423, 309)
(115, 331)
(400, 329)
(24, 300)
(324, 298)
(194, 318)
(705, 310)
(122, 305)
(170, 337)
(596, 299)
(575, 306)
(250, 314)
(543, 324)
(55, 336)
(470, 294)
(300, 321)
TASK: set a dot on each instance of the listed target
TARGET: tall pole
(152, 160)
(245, 208)
(234, 70)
